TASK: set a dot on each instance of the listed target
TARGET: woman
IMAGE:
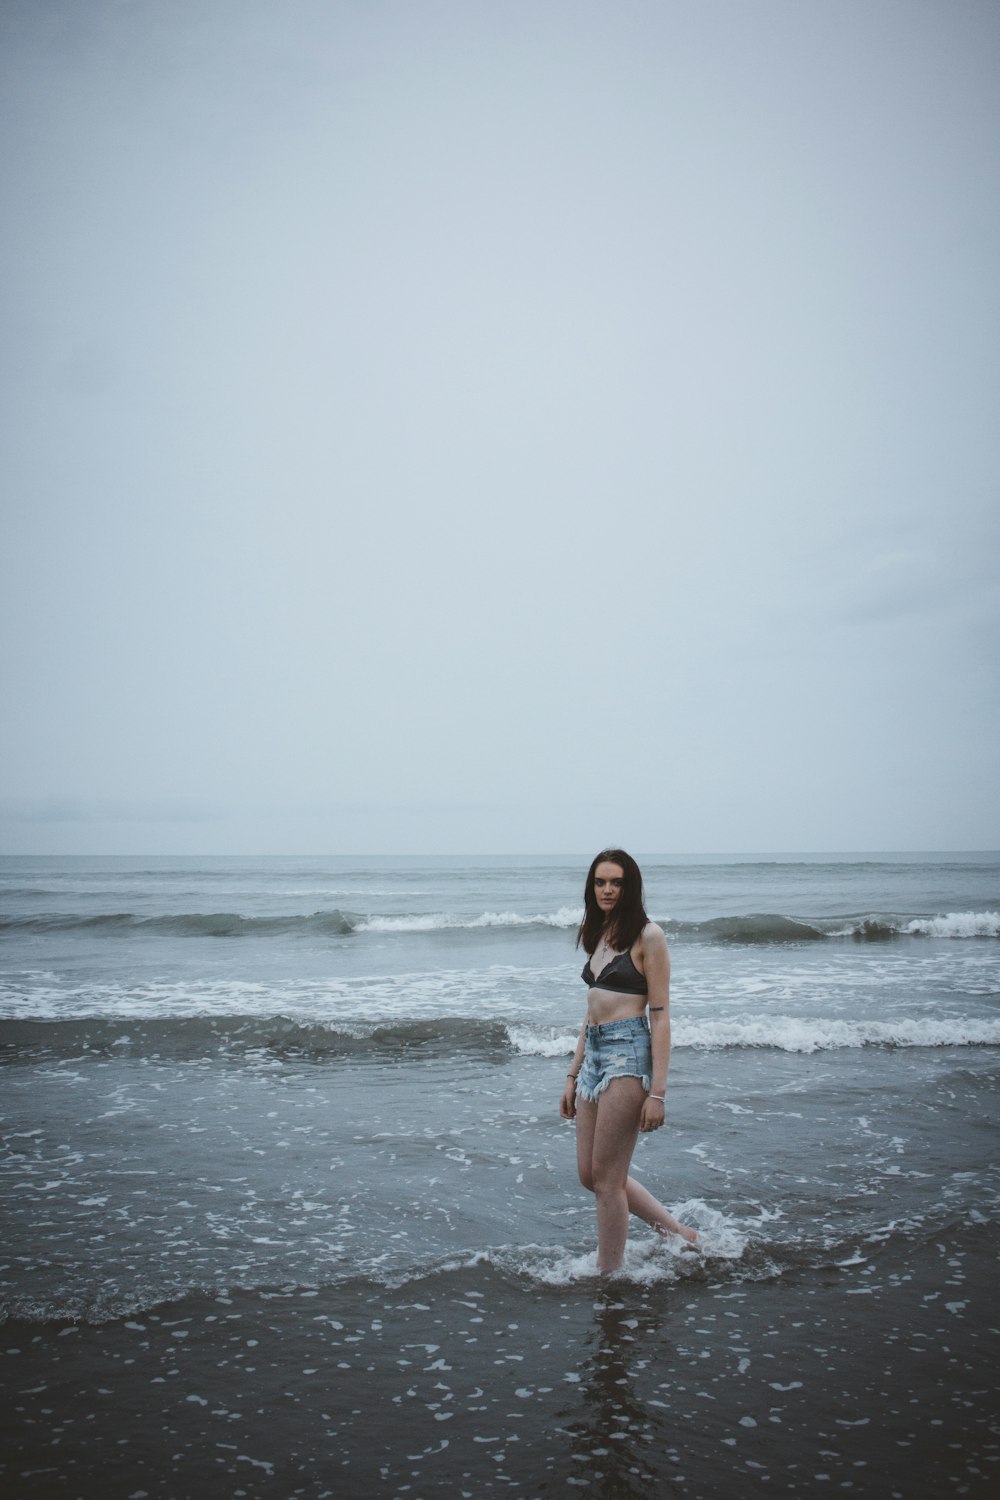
(618, 1080)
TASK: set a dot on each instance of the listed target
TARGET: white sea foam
(565, 917)
(431, 922)
(786, 1034)
(498, 990)
(957, 924)
(648, 1258)
(551, 1042)
(815, 1034)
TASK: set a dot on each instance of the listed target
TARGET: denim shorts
(618, 1049)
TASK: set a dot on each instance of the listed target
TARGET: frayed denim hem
(589, 1095)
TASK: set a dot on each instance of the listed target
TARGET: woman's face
(608, 881)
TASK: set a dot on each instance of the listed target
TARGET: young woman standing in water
(617, 1084)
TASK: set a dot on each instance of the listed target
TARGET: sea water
(316, 1096)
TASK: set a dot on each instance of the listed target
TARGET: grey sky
(491, 426)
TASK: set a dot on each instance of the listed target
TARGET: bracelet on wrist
(572, 1075)
(658, 1097)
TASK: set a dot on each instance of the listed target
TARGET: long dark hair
(629, 916)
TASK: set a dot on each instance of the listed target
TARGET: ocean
(288, 1208)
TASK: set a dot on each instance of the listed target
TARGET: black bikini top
(620, 975)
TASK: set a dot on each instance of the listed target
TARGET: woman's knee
(607, 1179)
(587, 1177)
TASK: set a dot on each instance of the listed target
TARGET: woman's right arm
(567, 1104)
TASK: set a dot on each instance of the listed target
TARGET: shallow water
(263, 1127)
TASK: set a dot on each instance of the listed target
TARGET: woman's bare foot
(683, 1231)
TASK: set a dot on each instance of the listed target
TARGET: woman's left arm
(656, 963)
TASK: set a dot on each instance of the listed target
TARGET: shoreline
(471, 1382)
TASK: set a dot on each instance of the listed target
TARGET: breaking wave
(957, 924)
(763, 928)
(185, 924)
(757, 929)
(279, 1038)
(760, 928)
(774, 928)
(335, 923)
(565, 917)
(789, 1034)
(242, 1037)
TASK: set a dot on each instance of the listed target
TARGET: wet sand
(469, 1383)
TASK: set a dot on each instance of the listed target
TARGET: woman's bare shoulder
(652, 938)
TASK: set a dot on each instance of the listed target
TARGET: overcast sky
(497, 425)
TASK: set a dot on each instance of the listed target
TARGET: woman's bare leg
(606, 1132)
(615, 1135)
(586, 1124)
(642, 1203)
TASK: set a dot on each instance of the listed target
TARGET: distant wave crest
(335, 923)
(184, 924)
(763, 928)
(759, 928)
(438, 921)
(769, 927)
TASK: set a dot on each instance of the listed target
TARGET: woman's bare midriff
(608, 1005)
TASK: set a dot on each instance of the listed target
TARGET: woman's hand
(653, 1113)
(567, 1104)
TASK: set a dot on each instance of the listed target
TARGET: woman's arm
(656, 964)
(567, 1104)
